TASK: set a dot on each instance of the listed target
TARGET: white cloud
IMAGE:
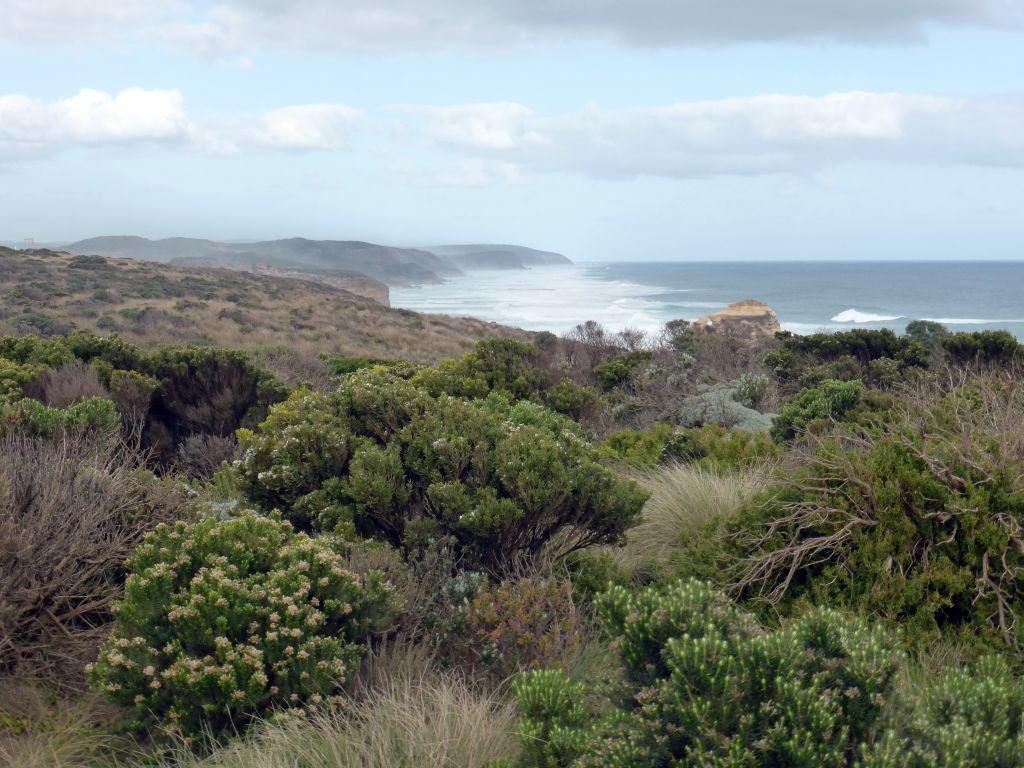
(495, 125)
(472, 172)
(478, 144)
(31, 127)
(749, 136)
(307, 127)
(230, 27)
(90, 117)
(72, 20)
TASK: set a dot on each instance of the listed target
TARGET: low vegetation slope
(394, 266)
(150, 304)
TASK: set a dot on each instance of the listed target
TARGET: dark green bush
(830, 400)
(971, 717)
(572, 399)
(617, 371)
(846, 355)
(916, 520)
(495, 365)
(204, 391)
(998, 348)
(223, 622)
(509, 367)
(926, 332)
(385, 459)
(707, 686)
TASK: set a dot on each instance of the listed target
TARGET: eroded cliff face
(748, 319)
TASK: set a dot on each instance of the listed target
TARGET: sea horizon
(806, 296)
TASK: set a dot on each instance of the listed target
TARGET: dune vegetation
(602, 549)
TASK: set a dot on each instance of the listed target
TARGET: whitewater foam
(804, 296)
(856, 316)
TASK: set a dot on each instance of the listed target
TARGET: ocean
(806, 296)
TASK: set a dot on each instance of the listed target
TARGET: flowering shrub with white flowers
(386, 459)
(226, 621)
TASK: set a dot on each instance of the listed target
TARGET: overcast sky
(644, 130)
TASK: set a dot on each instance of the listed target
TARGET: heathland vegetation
(150, 304)
(602, 549)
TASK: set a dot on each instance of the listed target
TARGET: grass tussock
(37, 731)
(404, 721)
(403, 714)
(686, 501)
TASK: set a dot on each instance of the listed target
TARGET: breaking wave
(856, 316)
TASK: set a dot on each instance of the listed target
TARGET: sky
(606, 130)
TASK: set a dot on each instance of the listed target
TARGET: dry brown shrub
(70, 384)
(201, 456)
(522, 624)
(71, 511)
(300, 366)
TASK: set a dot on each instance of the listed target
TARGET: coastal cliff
(748, 319)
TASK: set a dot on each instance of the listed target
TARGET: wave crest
(856, 316)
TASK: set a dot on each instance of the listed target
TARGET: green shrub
(926, 332)
(221, 622)
(617, 371)
(31, 417)
(386, 459)
(14, 377)
(572, 399)
(35, 350)
(915, 520)
(846, 355)
(752, 389)
(342, 366)
(640, 448)
(719, 448)
(829, 400)
(711, 446)
(553, 719)
(982, 348)
(112, 350)
(495, 365)
(972, 717)
(204, 391)
(508, 367)
(708, 686)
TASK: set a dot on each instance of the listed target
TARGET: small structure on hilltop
(749, 319)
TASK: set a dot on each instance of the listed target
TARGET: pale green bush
(222, 622)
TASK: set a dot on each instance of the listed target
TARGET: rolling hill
(387, 264)
(490, 256)
(48, 292)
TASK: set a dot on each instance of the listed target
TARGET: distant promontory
(349, 263)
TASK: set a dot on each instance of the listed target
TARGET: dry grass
(685, 501)
(405, 716)
(71, 511)
(151, 304)
(36, 732)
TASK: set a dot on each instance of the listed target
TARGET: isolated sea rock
(749, 319)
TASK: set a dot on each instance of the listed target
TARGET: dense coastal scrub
(597, 550)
